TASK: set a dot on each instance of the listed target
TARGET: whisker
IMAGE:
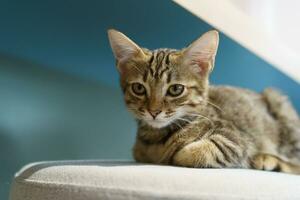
(169, 112)
(189, 122)
(186, 120)
(178, 125)
(135, 110)
(214, 105)
(199, 115)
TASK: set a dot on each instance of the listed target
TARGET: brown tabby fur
(206, 126)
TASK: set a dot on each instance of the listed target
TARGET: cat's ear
(123, 47)
(200, 55)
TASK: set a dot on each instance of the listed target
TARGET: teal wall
(49, 115)
(59, 95)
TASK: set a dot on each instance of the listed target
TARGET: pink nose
(154, 113)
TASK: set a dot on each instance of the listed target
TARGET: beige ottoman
(120, 180)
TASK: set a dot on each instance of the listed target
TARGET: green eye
(175, 90)
(138, 89)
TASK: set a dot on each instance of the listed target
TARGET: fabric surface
(120, 180)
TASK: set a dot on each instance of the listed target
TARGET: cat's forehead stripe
(169, 77)
(145, 76)
(168, 58)
(151, 59)
(163, 71)
(159, 63)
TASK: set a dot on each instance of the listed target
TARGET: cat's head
(164, 85)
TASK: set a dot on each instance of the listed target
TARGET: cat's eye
(175, 90)
(138, 89)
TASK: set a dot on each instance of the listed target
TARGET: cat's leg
(270, 162)
(139, 153)
(218, 150)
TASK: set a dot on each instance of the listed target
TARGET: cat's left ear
(200, 55)
(123, 48)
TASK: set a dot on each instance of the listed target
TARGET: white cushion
(117, 180)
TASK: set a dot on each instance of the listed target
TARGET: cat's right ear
(200, 55)
(123, 48)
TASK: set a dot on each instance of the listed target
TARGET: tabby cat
(184, 121)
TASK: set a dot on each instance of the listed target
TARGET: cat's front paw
(266, 162)
(214, 152)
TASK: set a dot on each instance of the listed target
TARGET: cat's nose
(154, 113)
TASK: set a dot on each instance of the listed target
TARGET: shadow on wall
(46, 115)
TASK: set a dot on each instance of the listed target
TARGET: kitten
(184, 121)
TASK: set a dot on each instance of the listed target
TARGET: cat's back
(246, 108)
(233, 98)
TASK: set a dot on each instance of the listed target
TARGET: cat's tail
(283, 111)
(279, 105)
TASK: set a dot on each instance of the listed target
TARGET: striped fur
(204, 126)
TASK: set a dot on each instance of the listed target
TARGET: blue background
(59, 94)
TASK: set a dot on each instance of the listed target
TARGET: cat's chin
(158, 124)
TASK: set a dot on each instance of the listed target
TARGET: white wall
(269, 28)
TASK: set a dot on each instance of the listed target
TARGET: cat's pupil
(176, 88)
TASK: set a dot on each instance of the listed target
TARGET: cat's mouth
(161, 122)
